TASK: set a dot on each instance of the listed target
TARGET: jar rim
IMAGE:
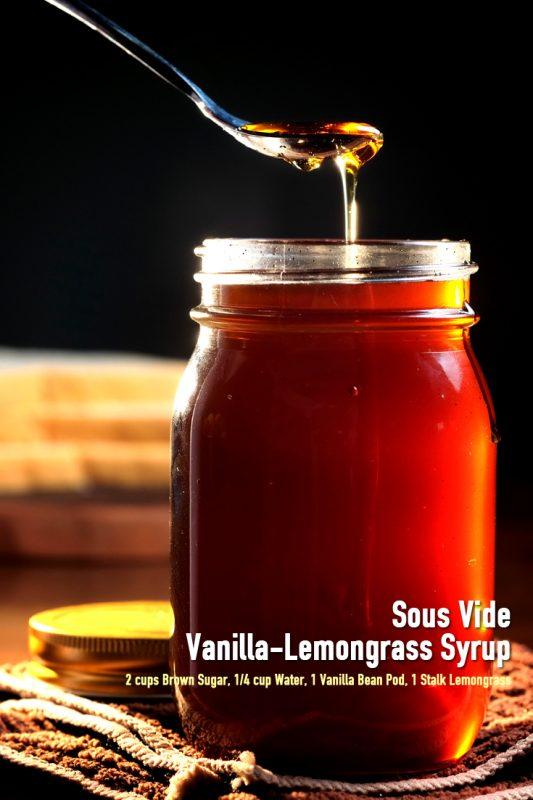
(332, 260)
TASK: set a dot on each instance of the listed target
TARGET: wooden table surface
(26, 588)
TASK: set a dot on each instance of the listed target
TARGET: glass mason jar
(333, 453)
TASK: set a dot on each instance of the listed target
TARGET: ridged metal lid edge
(331, 259)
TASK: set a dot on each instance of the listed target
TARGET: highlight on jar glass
(333, 482)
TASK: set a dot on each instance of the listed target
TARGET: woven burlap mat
(136, 752)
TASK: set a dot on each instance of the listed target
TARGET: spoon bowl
(306, 146)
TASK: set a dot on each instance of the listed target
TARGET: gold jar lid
(103, 649)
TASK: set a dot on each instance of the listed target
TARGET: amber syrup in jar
(333, 452)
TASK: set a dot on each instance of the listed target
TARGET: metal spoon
(304, 146)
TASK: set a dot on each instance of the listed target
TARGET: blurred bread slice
(73, 422)
(127, 465)
(79, 467)
(140, 380)
(115, 421)
(28, 377)
(40, 467)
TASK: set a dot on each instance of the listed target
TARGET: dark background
(111, 177)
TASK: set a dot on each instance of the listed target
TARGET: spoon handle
(152, 60)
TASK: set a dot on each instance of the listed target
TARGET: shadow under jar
(333, 452)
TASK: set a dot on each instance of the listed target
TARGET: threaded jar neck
(247, 261)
